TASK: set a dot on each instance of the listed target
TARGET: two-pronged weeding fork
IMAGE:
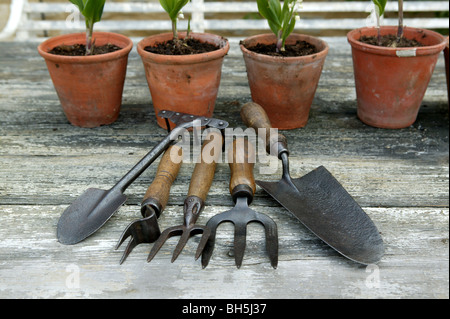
(146, 229)
(194, 203)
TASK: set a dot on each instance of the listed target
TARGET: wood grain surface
(399, 177)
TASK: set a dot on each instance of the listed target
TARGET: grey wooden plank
(373, 182)
(415, 264)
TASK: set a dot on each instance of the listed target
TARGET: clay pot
(391, 82)
(183, 83)
(284, 86)
(89, 87)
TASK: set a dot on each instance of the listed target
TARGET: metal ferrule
(193, 206)
(151, 206)
(242, 191)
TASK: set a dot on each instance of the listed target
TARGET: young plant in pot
(183, 69)
(88, 69)
(283, 68)
(392, 68)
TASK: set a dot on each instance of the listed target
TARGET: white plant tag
(406, 53)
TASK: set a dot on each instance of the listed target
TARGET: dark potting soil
(390, 40)
(182, 47)
(80, 49)
(300, 48)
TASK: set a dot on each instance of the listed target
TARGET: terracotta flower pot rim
(353, 39)
(69, 38)
(183, 59)
(278, 59)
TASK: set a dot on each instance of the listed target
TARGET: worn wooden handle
(241, 158)
(254, 116)
(167, 171)
(204, 170)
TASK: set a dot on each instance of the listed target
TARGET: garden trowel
(318, 200)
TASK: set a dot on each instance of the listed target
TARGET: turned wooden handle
(241, 158)
(167, 171)
(204, 170)
(254, 116)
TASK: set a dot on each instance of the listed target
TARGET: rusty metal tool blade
(319, 201)
(91, 210)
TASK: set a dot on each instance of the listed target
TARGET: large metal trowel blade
(87, 214)
(320, 202)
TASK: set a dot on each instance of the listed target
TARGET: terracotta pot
(183, 83)
(284, 87)
(391, 82)
(89, 87)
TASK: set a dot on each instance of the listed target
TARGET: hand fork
(241, 158)
(201, 181)
(146, 229)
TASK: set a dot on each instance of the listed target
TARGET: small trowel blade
(87, 214)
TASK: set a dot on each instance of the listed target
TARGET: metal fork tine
(272, 243)
(209, 248)
(203, 241)
(125, 235)
(212, 225)
(128, 250)
(240, 234)
(181, 243)
(271, 233)
(169, 232)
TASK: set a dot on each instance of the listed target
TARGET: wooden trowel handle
(241, 158)
(255, 117)
(158, 192)
(204, 170)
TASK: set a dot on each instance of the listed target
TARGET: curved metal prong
(203, 241)
(131, 244)
(209, 248)
(271, 231)
(126, 233)
(212, 225)
(240, 233)
(169, 232)
(181, 243)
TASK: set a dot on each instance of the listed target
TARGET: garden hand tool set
(317, 199)
(194, 203)
(241, 159)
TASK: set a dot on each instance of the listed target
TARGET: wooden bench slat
(231, 25)
(227, 7)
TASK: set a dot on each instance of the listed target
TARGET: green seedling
(281, 19)
(173, 9)
(380, 6)
(92, 10)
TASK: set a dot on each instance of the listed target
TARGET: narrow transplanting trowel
(318, 200)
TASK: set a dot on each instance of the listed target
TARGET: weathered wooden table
(399, 177)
